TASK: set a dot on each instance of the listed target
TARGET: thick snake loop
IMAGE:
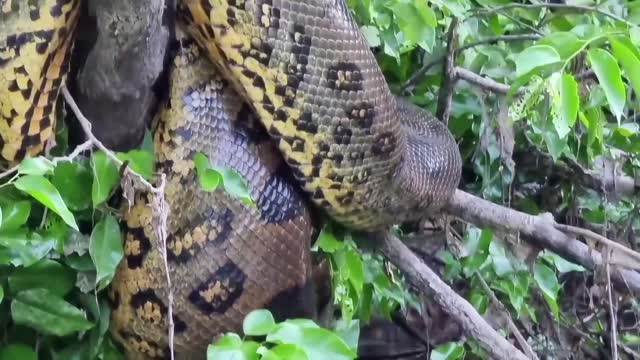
(36, 38)
(225, 258)
(308, 73)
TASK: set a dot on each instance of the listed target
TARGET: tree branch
(577, 8)
(454, 305)
(481, 81)
(541, 231)
(445, 95)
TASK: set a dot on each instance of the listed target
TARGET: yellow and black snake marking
(225, 258)
(366, 158)
(36, 38)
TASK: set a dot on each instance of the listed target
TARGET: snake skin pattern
(36, 38)
(304, 66)
(225, 258)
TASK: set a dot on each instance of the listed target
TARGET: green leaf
(36, 166)
(235, 185)
(448, 351)
(209, 179)
(630, 63)
(327, 241)
(317, 343)
(608, 73)
(258, 322)
(372, 35)
(569, 104)
(561, 264)
(19, 248)
(547, 281)
(48, 313)
(105, 248)
(567, 44)
(231, 347)
(72, 179)
(17, 352)
(42, 190)
(105, 178)
(140, 161)
(15, 214)
(534, 58)
(282, 352)
(59, 279)
(1, 293)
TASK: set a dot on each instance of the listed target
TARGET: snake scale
(366, 158)
(272, 88)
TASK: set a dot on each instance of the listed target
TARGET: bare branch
(540, 230)
(480, 81)
(454, 305)
(445, 95)
(576, 8)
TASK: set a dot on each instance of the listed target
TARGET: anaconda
(226, 258)
(36, 39)
(362, 155)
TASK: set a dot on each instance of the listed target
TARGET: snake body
(225, 258)
(36, 38)
(367, 158)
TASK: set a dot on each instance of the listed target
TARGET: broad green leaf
(561, 264)
(209, 179)
(327, 242)
(479, 300)
(349, 331)
(630, 63)
(317, 343)
(231, 347)
(22, 248)
(282, 352)
(59, 279)
(533, 58)
(548, 282)
(448, 351)
(17, 352)
(234, 184)
(105, 177)
(1, 293)
(372, 35)
(72, 180)
(567, 44)
(15, 214)
(36, 166)
(105, 248)
(569, 104)
(48, 313)
(140, 161)
(608, 73)
(42, 190)
(258, 322)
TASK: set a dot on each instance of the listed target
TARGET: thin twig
(578, 8)
(480, 81)
(159, 206)
(492, 40)
(599, 238)
(612, 314)
(86, 126)
(445, 95)
(512, 326)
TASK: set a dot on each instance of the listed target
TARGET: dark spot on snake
(345, 76)
(342, 135)
(134, 261)
(231, 17)
(150, 348)
(317, 194)
(179, 326)
(345, 199)
(278, 201)
(41, 48)
(315, 172)
(293, 81)
(306, 124)
(220, 290)
(258, 82)
(280, 90)
(45, 122)
(20, 154)
(297, 173)
(47, 110)
(337, 158)
(30, 140)
(113, 300)
(335, 186)
(184, 133)
(280, 115)
(13, 86)
(139, 299)
(317, 160)
(34, 14)
(296, 302)
(21, 70)
(56, 10)
(362, 115)
(25, 127)
(383, 144)
(206, 7)
(46, 35)
(267, 104)
(248, 73)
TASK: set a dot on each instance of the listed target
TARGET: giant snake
(367, 158)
